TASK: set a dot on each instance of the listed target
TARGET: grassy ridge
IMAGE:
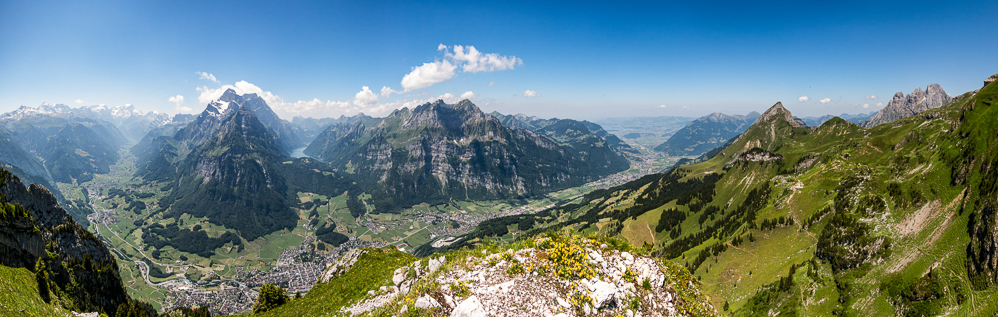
(878, 226)
(19, 295)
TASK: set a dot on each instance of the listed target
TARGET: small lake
(300, 152)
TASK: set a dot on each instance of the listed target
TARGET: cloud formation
(491, 83)
(824, 101)
(871, 97)
(387, 92)
(205, 75)
(468, 58)
(866, 105)
(531, 93)
(365, 98)
(880, 104)
(78, 100)
(241, 87)
(473, 61)
(428, 74)
(803, 99)
(468, 95)
(178, 102)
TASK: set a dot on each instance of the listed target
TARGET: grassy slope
(18, 290)
(929, 234)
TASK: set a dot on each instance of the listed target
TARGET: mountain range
(438, 151)
(896, 219)
(706, 133)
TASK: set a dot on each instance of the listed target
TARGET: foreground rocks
(571, 277)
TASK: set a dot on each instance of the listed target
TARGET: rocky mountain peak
(442, 114)
(779, 112)
(230, 96)
(990, 79)
(902, 106)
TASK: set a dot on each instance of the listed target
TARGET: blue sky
(584, 60)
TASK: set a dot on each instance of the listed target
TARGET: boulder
(603, 294)
(426, 302)
(399, 276)
(470, 307)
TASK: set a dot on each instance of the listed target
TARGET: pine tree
(42, 277)
(271, 296)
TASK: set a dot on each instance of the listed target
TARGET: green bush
(271, 297)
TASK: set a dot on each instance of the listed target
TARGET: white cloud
(686, 107)
(78, 100)
(475, 61)
(803, 99)
(663, 106)
(365, 98)
(531, 93)
(824, 101)
(387, 92)
(428, 74)
(866, 105)
(205, 75)
(242, 87)
(491, 83)
(468, 95)
(880, 104)
(178, 102)
(468, 58)
(871, 97)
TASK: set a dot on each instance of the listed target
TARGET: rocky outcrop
(572, 277)
(902, 106)
(35, 229)
(342, 265)
(990, 79)
(758, 155)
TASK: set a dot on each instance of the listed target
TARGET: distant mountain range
(581, 136)
(706, 133)
(854, 118)
(438, 151)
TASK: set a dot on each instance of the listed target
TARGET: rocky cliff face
(285, 132)
(234, 179)
(37, 229)
(902, 106)
(439, 151)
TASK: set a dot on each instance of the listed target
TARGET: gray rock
(426, 302)
(342, 265)
(434, 264)
(399, 276)
(603, 294)
(470, 307)
(902, 106)
(990, 79)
